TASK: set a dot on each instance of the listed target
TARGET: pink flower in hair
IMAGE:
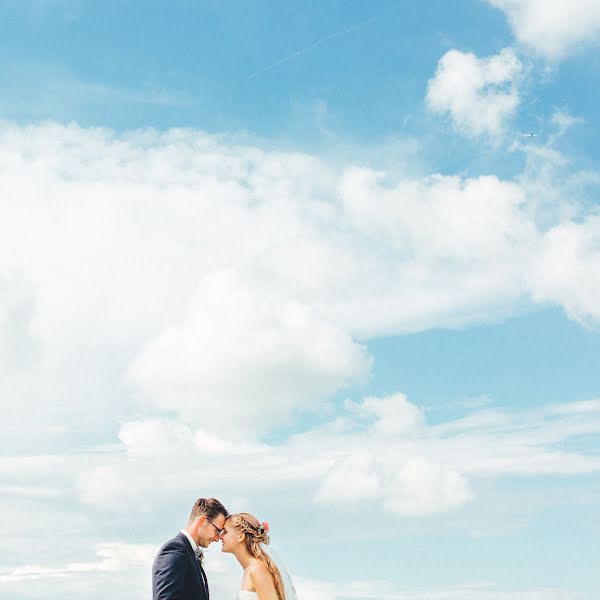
(266, 526)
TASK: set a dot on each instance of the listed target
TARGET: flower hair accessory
(263, 528)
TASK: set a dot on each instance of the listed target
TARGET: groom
(177, 573)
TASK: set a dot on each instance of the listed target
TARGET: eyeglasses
(219, 531)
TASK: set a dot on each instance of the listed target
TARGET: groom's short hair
(210, 507)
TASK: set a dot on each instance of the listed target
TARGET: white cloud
(118, 569)
(148, 436)
(567, 269)
(450, 241)
(565, 121)
(226, 272)
(183, 205)
(479, 94)
(350, 464)
(583, 406)
(111, 557)
(123, 569)
(422, 486)
(354, 478)
(413, 470)
(553, 28)
(393, 414)
(246, 361)
(18, 344)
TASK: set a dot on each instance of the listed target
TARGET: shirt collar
(189, 537)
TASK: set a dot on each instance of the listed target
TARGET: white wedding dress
(288, 585)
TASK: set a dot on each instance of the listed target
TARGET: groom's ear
(197, 522)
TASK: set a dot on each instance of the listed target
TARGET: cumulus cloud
(467, 235)
(409, 470)
(121, 243)
(392, 414)
(150, 435)
(245, 360)
(352, 479)
(153, 217)
(553, 28)
(422, 486)
(567, 269)
(204, 271)
(480, 94)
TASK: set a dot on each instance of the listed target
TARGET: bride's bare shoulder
(260, 573)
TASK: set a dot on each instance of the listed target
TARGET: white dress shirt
(189, 537)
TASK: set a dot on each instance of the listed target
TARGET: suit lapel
(199, 570)
(204, 579)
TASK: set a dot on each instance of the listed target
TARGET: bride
(243, 536)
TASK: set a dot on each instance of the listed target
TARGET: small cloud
(581, 407)
(472, 402)
(565, 121)
(479, 94)
(393, 414)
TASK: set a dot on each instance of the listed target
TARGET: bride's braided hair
(255, 534)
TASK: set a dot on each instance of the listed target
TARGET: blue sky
(335, 263)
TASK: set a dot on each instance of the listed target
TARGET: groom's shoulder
(176, 544)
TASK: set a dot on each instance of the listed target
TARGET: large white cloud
(480, 94)
(115, 249)
(553, 28)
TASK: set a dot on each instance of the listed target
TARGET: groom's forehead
(220, 521)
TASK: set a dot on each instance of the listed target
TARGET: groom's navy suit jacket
(177, 574)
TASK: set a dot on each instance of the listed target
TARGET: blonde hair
(255, 533)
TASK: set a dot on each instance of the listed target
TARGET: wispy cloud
(306, 49)
(111, 557)
(39, 90)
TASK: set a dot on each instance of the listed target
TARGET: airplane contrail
(306, 49)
